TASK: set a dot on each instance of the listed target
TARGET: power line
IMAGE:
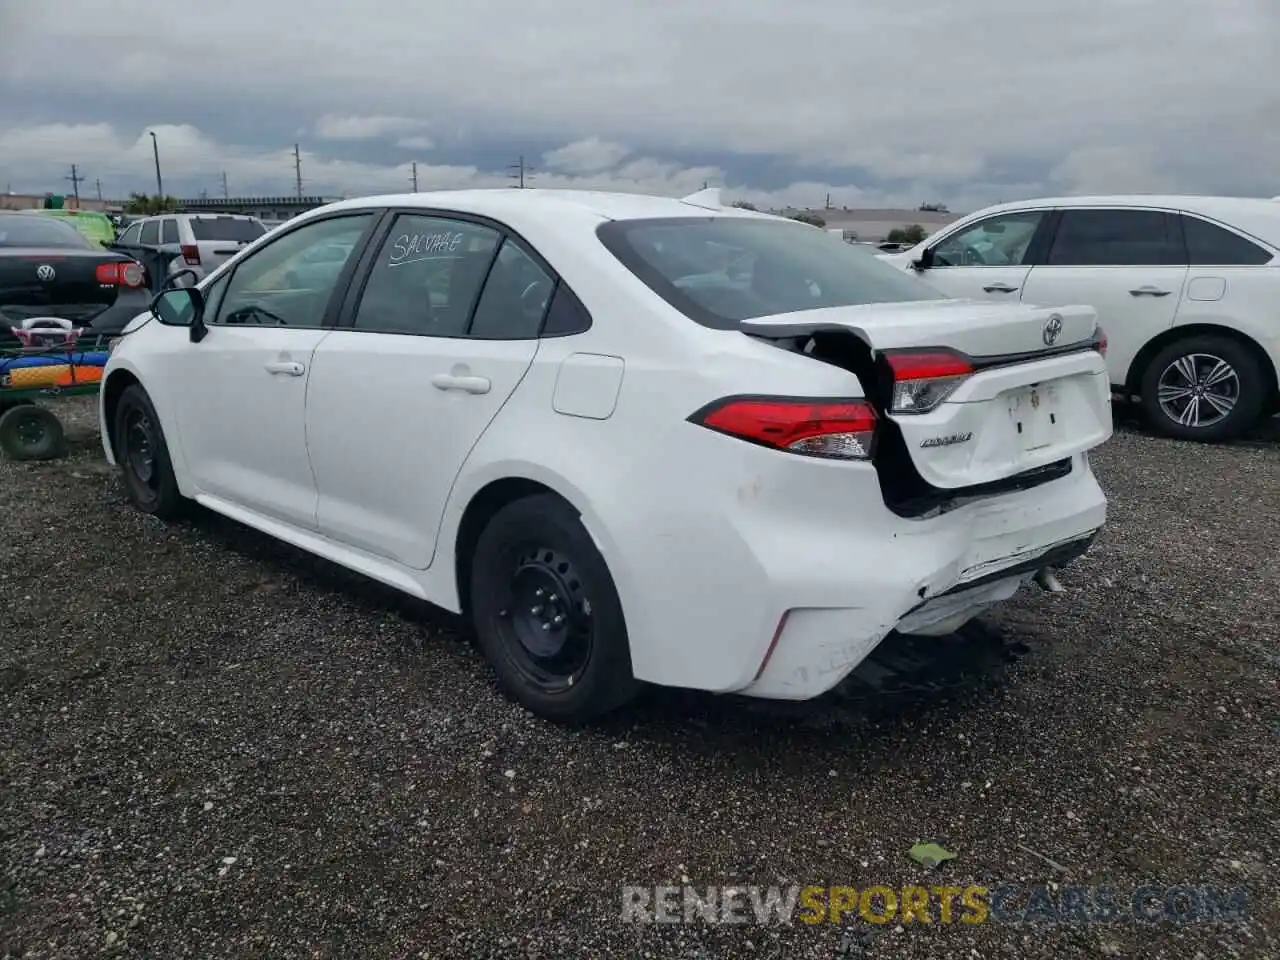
(520, 172)
(297, 168)
(76, 180)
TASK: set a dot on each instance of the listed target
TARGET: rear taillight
(119, 273)
(191, 254)
(834, 429)
(1100, 344)
(923, 379)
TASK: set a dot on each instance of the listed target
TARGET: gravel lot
(212, 745)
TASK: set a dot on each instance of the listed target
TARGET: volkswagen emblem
(45, 272)
(1052, 330)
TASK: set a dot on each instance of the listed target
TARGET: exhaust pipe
(1048, 582)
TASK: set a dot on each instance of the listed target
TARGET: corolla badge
(45, 272)
(947, 441)
(1052, 329)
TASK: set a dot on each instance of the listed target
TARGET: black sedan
(49, 269)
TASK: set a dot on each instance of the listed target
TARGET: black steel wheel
(547, 614)
(29, 432)
(143, 456)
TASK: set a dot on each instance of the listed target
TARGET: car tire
(1187, 414)
(29, 432)
(143, 457)
(563, 653)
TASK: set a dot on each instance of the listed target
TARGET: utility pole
(225, 194)
(414, 178)
(297, 168)
(520, 172)
(155, 149)
(98, 183)
(828, 201)
(75, 179)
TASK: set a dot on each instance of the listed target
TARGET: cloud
(415, 143)
(333, 127)
(585, 156)
(924, 100)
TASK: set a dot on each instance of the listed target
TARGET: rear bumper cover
(933, 586)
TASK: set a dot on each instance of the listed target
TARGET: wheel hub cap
(1198, 390)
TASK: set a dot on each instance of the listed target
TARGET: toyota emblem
(1052, 330)
(45, 272)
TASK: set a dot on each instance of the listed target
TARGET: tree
(912, 234)
(810, 218)
(141, 204)
(744, 205)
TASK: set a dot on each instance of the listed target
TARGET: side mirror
(185, 277)
(181, 307)
(924, 261)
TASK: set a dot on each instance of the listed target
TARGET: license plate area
(1035, 415)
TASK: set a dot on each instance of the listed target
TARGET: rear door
(990, 259)
(433, 342)
(1129, 264)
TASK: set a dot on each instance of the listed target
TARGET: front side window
(427, 277)
(1209, 245)
(150, 232)
(130, 236)
(999, 241)
(720, 271)
(1116, 238)
(280, 285)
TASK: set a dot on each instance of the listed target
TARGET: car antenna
(707, 198)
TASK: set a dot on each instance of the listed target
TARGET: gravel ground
(212, 745)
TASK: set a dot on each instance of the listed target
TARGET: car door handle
(999, 288)
(446, 381)
(290, 368)
(1149, 291)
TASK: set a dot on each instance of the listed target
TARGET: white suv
(199, 242)
(1186, 288)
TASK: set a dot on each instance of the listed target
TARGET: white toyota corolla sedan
(633, 439)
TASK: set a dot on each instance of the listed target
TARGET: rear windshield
(722, 270)
(32, 230)
(226, 229)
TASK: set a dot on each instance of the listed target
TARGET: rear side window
(150, 232)
(1209, 245)
(515, 297)
(226, 229)
(32, 230)
(427, 277)
(1116, 238)
(720, 271)
(169, 230)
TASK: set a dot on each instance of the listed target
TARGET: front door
(401, 393)
(1128, 264)
(987, 260)
(241, 391)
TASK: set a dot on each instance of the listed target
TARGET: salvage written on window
(414, 247)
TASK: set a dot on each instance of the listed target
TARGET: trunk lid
(58, 281)
(1035, 391)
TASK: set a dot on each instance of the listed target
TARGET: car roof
(504, 203)
(1256, 216)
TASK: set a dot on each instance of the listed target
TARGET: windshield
(28, 230)
(229, 229)
(722, 270)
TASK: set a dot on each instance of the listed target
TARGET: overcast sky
(877, 102)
